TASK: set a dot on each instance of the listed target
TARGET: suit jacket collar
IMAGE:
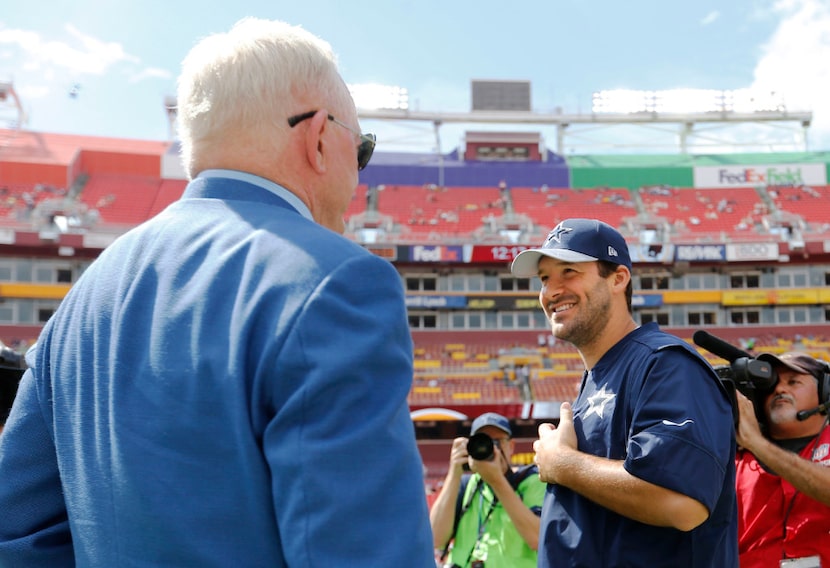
(243, 187)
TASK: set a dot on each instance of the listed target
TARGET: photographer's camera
(481, 447)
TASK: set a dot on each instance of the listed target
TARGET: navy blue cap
(491, 419)
(575, 240)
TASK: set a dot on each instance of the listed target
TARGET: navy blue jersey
(656, 404)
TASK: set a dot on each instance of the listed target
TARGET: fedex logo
(760, 174)
(753, 176)
(422, 253)
(426, 254)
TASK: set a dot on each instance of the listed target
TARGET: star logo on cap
(556, 233)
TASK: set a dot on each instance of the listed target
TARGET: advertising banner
(700, 253)
(759, 174)
(771, 297)
(435, 253)
(751, 251)
(435, 302)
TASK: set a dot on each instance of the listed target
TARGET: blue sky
(122, 57)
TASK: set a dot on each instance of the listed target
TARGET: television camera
(753, 378)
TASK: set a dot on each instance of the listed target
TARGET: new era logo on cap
(575, 240)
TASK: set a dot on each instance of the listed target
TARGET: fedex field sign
(758, 175)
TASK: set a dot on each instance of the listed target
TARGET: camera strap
(460, 508)
(482, 522)
(463, 503)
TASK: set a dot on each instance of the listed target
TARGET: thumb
(566, 413)
(545, 428)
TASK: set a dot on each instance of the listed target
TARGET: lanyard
(482, 521)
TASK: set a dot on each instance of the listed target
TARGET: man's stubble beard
(594, 315)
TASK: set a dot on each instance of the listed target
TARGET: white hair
(249, 78)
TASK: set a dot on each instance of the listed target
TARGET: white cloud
(150, 73)
(33, 92)
(710, 18)
(794, 62)
(85, 55)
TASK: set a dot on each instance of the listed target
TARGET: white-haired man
(226, 384)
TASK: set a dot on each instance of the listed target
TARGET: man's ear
(315, 147)
(622, 277)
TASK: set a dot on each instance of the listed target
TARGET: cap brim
(498, 426)
(526, 263)
(770, 358)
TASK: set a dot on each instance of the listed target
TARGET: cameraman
(783, 471)
(491, 517)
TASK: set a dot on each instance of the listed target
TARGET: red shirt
(775, 521)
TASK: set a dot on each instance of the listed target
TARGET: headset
(823, 394)
(824, 384)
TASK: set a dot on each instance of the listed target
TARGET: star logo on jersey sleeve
(597, 402)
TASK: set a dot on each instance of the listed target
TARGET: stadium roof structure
(12, 115)
(691, 132)
(712, 126)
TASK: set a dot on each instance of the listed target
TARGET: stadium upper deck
(728, 223)
(733, 197)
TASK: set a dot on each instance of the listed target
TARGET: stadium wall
(451, 170)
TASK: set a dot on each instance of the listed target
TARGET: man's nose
(551, 290)
(780, 387)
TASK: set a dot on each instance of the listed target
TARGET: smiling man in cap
(783, 472)
(641, 467)
(576, 240)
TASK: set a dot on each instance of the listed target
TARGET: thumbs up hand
(554, 445)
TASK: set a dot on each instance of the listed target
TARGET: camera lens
(480, 447)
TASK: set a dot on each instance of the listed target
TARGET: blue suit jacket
(225, 386)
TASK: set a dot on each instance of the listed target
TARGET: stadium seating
(811, 203)
(121, 199)
(485, 370)
(548, 206)
(358, 203)
(451, 210)
(705, 211)
(451, 367)
(441, 377)
(20, 197)
(456, 389)
(169, 191)
(552, 386)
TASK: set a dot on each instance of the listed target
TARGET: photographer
(783, 468)
(491, 516)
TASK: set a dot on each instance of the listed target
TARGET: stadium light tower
(374, 96)
(366, 96)
(686, 101)
(171, 109)
(12, 115)
(688, 120)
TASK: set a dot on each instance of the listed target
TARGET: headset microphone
(802, 415)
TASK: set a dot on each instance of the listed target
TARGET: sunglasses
(367, 141)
